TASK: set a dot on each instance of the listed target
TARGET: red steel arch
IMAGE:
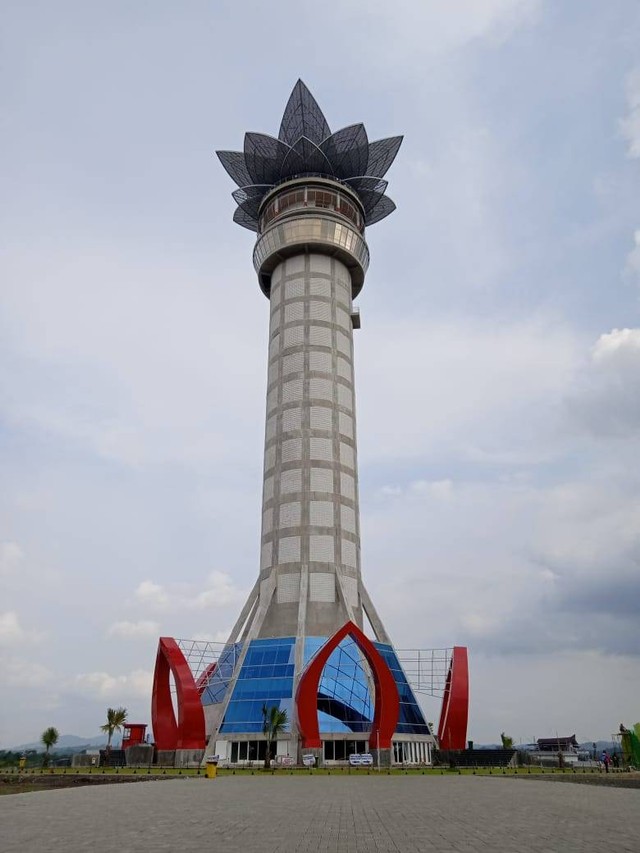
(387, 701)
(454, 715)
(189, 730)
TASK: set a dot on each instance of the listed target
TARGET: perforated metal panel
(293, 311)
(294, 265)
(269, 457)
(321, 448)
(321, 417)
(288, 588)
(347, 456)
(293, 363)
(293, 336)
(344, 368)
(343, 343)
(292, 450)
(265, 556)
(350, 586)
(272, 374)
(347, 486)
(291, 420)
(320, 310)
(345, 424)
(274, 346)
(275, 320)
(289, 549)
(321, 513)
(268, 488)
(348, 518)
(292, 391)
(293, 288)
(291, 481)
(290, 514)
(319, 263)
(349, 553)
(320, 286)
(320, 336)
(276, 291)
(343, 318)
(321, 480)
(267, 520)
(345, 397)
(321, 549)
(319, 360)
(271, 427)
(272, 399)
(322, 587)
(343, 292)
(320, 389)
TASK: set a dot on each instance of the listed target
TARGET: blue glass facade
(344, 701)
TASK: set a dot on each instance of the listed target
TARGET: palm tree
(274, 721)
(49, 738)
(116, 718)
(507, 741)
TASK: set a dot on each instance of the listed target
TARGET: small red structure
(133, 734)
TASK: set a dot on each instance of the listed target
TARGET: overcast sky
(498, 365)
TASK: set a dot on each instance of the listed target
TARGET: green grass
(292, 771)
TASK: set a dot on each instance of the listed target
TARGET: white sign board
(308, 760)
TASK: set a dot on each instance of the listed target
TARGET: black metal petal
(365, 183)
(252, 191)
(263, 156)
(303, 117)
(383, 208)
(382, 153)
(348, 151)
(241, 217)
(304, 157)
(234, 163)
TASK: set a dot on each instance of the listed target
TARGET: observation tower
(302, 641)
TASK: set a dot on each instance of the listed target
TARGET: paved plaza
(324, 813)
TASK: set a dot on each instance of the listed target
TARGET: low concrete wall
(140, 755)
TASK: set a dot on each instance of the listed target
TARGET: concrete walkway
(275, 814)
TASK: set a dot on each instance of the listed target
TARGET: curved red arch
(387, 701)
(189, 730)
(454, 715)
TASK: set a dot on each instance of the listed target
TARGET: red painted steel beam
(387, 701)
(188, 732)
(454, 715)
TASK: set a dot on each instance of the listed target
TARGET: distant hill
(74, 743)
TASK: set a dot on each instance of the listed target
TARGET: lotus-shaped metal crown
(306, 147)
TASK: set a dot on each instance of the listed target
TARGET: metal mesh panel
(348, 518)
(350, 586)
(290, 514)
(320, 287)
(343, 342)
(291, 420)
(349, 553)
(321, 389)
(322, 587)
(347, 456)
(321, 448)
(293, 312)
(268, 488)
(265, 556)
(292, 391)
(321, 417)
(291, 481)
(345, 397)
(289, 549)
(320, 310)
(293, 363)
(321, 549)
(293, 336)
(288, 588)
(321, 480)
(347, 486)
(320, 361)
(267, 520)
(320, 336)
(292, 450)
(321, 513)
(344, 368)
(345, 424)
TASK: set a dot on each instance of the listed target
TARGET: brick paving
(275, 814)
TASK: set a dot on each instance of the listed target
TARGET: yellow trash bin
(211, 766)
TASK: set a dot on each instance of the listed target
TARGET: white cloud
(606, 397)
(133, 630)
(28, 674)
(630, 125)
(220, 591)
(12, 632)
(207, 637)
(101, 684)
(152, 594)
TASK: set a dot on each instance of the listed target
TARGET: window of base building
(409, 752)
(340, 750)
(248, 750)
